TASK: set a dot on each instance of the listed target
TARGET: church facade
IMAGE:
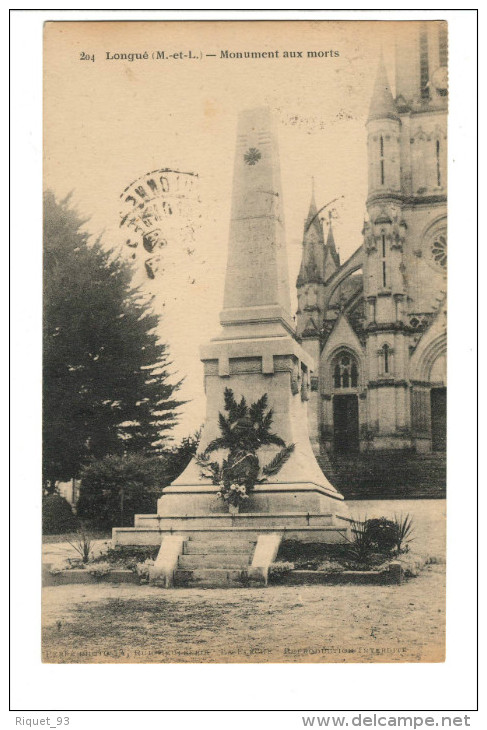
(376, 323)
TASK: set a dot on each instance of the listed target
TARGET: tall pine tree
(106, 387)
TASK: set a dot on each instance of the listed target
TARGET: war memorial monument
(255, 356)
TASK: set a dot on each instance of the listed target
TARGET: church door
(438, 419)
(345, 422)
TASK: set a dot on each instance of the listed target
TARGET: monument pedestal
(279, 367)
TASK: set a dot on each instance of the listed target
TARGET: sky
(110, 121)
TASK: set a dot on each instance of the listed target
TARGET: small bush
(404, 527)
(127, 556)
(360, 547)
(178, 458)
(330, 566)
(381, 534)
(278, 569)
(57, 515)
(83, 546)
(142, 569)
(115, 488)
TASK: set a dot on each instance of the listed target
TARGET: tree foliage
(178, 457)
(115, 488)
(57, 515)
(106, 386)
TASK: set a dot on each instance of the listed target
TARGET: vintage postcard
(245, 341)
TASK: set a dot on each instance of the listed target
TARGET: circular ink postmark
(157, 209)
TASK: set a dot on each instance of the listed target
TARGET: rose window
(438, 251)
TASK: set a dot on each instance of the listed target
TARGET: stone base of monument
(223, 550)
(207, 546)
(265, 498)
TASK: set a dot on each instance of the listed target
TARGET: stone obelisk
(256, 351)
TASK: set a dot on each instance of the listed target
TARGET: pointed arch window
(423, 62)
(345, 371)
(438, 164)
(354, 375)
(381, 159)
(386, 359)
(337, 376)
(443, 44)
(384, 264)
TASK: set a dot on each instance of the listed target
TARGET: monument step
(151, 536)
(211, 545)
(227, 561)
(249, 519)
(212, 578)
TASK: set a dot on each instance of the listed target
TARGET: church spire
(312, 227)
(330, 245)
(332, 257)
(312, 260)
(382, 105)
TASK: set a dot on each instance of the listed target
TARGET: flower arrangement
(233, 494)
(142, 569)
(98, 570)
(244, 430)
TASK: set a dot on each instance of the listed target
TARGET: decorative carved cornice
(415, 200)
(385, 196)
(386, 327)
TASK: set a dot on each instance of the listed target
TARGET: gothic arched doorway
(438, 419)
(438, 403)
(345, 377)
(345, 423)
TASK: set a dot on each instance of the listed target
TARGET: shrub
(330, 566)
(178, 458)
(127, 556)
(360, 548)
(278, 569)
(57, 515)
(83, 546)
(115, 488)
(382, 534)
(404, 527)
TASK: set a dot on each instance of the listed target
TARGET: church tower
(311, 277)
(422, 103)
(319, 262)
(384, 283)
(405, 237)
(378, 320)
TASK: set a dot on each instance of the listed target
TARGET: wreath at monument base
(244, 430)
